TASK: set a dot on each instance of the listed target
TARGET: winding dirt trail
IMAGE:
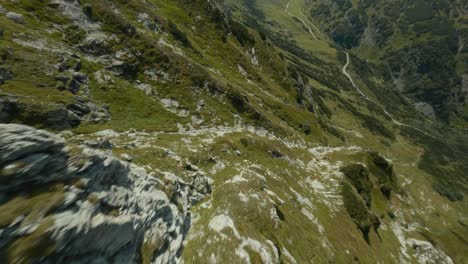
(350, 78)
(346, 73)
(302, 21)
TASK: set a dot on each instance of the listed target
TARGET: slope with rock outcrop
(65, 202)
(210, 132)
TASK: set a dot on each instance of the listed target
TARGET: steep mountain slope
(423, 44)
(212, 132)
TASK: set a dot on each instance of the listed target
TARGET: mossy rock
(358, 174)
(356, 208)
(383, 170)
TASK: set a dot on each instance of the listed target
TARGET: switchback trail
(346, 73)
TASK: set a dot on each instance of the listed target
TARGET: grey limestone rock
(15, 17)
(149, 23)
(99, 144)
(61, 119)
(107, 218)
(123, 68)
(95, 44)
(88, 111)
(30, 156)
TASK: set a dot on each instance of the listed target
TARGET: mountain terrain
(211, 131)
(423, 44)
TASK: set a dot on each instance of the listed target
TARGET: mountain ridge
(212, 132)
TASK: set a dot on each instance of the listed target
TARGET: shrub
(178, 34)
(384, 172)
(99, 10)
(88, 10)
(238, 101)
(419, 12)
(359, 177)
(241, 33)
(74, 35)
(357, 210)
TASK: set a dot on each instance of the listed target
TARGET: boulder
(72, 81)
(146, 88)
(148, 23)
(276, 154)
(15, 17)
(80, 107)
(124, 69)
(61, 119)
(88, 111)
(69, 65)
(99, 144)
(126, 157)
(95, 44)
(78, 79)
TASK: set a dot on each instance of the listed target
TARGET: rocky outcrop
(29, 158)
(53, 116)
(148, 22)
(111, 211)
(69, 76)
(100, 143)
(95, 44)
(360, 190)
(88, 111)
(15, 17)
(304, 94)
(124, 69)
(59, 118)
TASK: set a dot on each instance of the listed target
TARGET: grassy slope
(394, 32)
(270, 103)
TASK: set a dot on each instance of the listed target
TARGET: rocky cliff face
(94, 208)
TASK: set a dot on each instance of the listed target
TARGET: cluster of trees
(429, 72)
